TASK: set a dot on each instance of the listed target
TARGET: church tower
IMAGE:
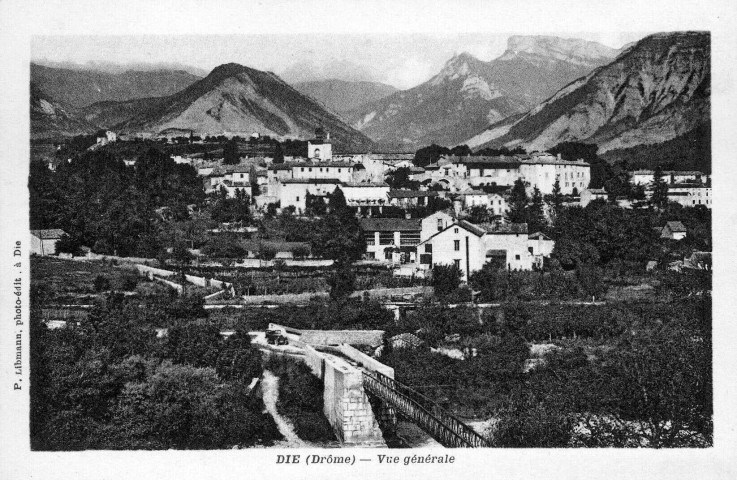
(320, 149)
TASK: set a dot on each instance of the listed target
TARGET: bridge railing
(428, 415)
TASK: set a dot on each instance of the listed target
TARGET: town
(514, 251)
(366, 248)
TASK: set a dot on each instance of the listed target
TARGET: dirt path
(270, 389)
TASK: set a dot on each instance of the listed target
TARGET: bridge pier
(345, 403)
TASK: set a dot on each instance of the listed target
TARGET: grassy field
(65, 280)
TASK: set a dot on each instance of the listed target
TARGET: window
(310, 169)
(428, 248)
(440, 224)
(516, 257)
(531, 250)
(386, 238)
(296, 199)
(409, 238)
(457, 263)
(303, 169)
(340, 170)
(455, 230)
(370, 238)
(456, 245)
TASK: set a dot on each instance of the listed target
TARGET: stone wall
(365, 361)
(347, 406)
(372, 338)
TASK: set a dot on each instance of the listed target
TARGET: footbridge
(361, 397)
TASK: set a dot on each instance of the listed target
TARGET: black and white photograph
(349, 245)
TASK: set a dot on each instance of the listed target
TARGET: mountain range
(342, 96)
(655, 90)
(468, 94)
(79, 88)
(232, 98)
(540, 92)
(51, 119)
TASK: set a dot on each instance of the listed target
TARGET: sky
(401, 60)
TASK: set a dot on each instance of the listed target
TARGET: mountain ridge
(468, 93)
(79, 88)
(232, 98)
(653, 91)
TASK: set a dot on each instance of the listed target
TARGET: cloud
(409, 73)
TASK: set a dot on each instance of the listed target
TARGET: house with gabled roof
(470, 246)
(391, 238)
(673, 230)
(43, 242)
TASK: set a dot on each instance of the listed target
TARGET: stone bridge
(361, 398)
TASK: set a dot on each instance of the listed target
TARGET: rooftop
(412, 193)
(48, 234)
(327, 164)
(365, 184)
(504, 228)
(676, 226)
(311, 180)
(390, 224)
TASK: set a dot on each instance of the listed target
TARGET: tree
(337, 204)
(67, 244)
(656, 385)
(445, 279)
(556, 199)
(181, 254)
(659, 196)
(427, 155)
(536, 212)
(342, 281)
(573, 151)
(315, 204)
(278, 153)
(399, 179)
(230, 153)
(479, 214)
(490, 282)
(238, 358)
(518, 203)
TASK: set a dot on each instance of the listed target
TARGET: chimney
(407, 215)
(559, 156)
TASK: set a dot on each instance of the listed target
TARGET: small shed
(43, 242)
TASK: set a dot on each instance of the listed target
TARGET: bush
(101, 283)
(445, 279)
(536, 427)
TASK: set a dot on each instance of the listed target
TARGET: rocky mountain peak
(459, 66)
(576, 51)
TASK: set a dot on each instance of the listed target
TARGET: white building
(474, 198)
(470, 246)
(320, 149)
(437, 222)
(498, 204)
(43, 242)
(591, 194)
(392, 239)
(365, 194)
(536, 170)
(540, 247)
(646, 177)
(343, 171)
(293, 192)
(690, 195)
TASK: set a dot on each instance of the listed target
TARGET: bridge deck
(441, 425)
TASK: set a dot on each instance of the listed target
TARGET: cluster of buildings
(443, 239)
(466, 181)
(686, 188)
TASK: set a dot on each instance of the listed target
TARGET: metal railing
(437, 422)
